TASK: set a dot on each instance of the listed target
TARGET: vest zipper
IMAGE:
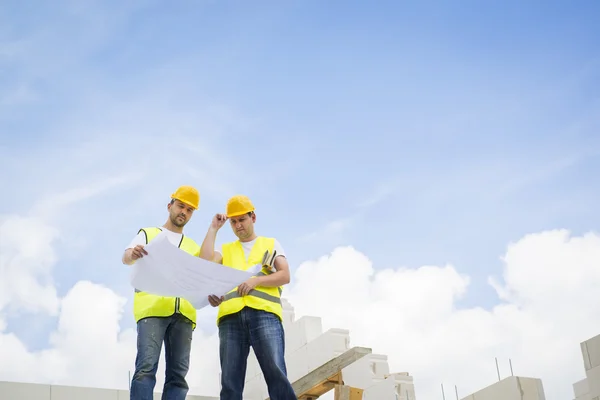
(177, 298)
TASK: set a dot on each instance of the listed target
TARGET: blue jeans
(264, 332)
(176, 332)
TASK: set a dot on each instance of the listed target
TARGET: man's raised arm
(207, 252)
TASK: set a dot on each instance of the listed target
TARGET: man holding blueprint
(251, 313)
(160, 318)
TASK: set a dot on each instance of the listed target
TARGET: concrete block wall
(589, 388)
(593, 380)
(308, 347)
(590, 351)
(34, 391)
(405, 387)
(372, 374)
(582, 390)
(511, 388)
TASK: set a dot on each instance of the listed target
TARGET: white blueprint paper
(169, 271)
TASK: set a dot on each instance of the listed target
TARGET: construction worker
(164, 319)
(251, 314)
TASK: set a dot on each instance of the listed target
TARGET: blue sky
(425, 133)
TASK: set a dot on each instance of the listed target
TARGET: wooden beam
(343, 392)
(324, 378)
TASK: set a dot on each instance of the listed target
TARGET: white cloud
(26, 260)
(88, 347)
(409, 314)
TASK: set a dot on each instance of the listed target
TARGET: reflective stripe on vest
(261, 297)
(149, 305)
(265, 296)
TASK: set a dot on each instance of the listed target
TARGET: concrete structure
(33, 391)
(511, 388)
(589, 388)
(582, 390)
(308, 347)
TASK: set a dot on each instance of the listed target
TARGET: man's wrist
(259, 280)
(127, 258)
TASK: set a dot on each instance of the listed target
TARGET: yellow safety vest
(150, 305)
(260, 298)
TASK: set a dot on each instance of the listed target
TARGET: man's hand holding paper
(167, 271)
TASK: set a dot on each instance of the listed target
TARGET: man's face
(243, 225)
(180, 213)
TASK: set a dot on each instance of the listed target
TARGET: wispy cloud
(331, 232)
(536, 174)
(380, 193)
(54, 202)
(20, 94)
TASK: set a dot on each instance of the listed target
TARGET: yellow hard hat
(188, 195)
(239, 205)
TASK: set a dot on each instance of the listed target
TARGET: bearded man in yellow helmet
(164, 319)
(251, 314)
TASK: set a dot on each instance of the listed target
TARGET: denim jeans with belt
(264, 332)
(176, 332)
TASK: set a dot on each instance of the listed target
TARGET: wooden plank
(321, 388)
(324, 378)
(343, 392)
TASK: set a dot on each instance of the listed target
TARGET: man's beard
(175, 221)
